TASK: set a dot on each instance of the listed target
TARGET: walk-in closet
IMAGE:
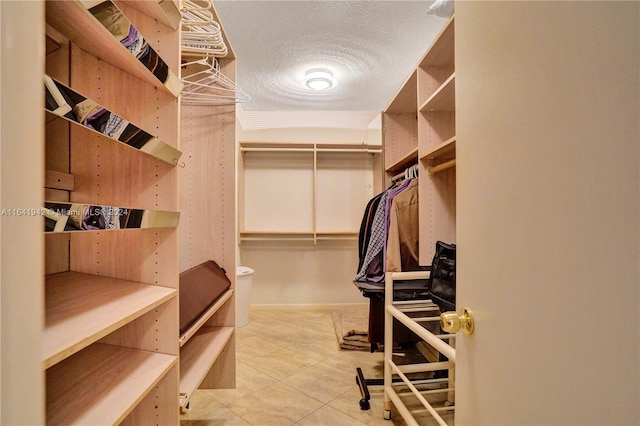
(311, 212)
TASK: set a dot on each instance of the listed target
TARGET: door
(548, 222)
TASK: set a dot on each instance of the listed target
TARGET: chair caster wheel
(387, 414)
(364, 404)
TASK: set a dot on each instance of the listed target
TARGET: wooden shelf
(407, 160)
(318, 148)
(198, 356)
(77, 24)
(442, 99)
(82, 308)
(164, 11)
(443, 152)
(406, 101)
(276, 236)
(102, 384)
(441, 53)
(68, 217)
(138, 140)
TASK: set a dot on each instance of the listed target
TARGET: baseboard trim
(306, 306)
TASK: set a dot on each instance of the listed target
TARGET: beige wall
(21, 231)
(301, 272)
(548, 166)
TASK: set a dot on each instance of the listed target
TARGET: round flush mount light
(319, 79)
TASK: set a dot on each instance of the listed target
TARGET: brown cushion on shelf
(200, 286)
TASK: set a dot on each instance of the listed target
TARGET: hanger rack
(206, 85)
(201, 34)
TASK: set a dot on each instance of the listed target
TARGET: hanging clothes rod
(440, 167)
(410, 172)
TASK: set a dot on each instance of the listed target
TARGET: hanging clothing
(402, 240)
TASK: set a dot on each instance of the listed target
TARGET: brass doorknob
(452, 322)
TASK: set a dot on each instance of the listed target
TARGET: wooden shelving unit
(148, 144)
(103, 384)
(110, 351)
(318, 175)
(82, 308)
(198, 356)
(91, 36)
(436, 143)
(419, 129)
(208, 231)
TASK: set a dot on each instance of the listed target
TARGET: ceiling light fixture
(319, 79)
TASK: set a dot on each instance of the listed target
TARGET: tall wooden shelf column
(110, 352)
(208, 231)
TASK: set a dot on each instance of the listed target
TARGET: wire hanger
(207, 85)
(201, 34)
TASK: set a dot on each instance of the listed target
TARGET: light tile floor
(291, 371)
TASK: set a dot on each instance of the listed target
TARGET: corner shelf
(82, 308)
(75, 21)
(102, 384)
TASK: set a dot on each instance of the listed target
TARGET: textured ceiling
(370, 46)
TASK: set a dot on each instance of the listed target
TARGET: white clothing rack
(398, 311)
(201, 34)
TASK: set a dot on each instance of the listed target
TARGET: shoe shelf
(65, 102)
(75, 20)
(82, 308)
(75, 217)
(198, 356)
(103, 384)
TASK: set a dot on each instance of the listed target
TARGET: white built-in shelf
(73, 20)
(443, 99)
(63, 101)
(197, 357)
(63, 216)
(102, 384)
(82, 308)
(220, 301)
